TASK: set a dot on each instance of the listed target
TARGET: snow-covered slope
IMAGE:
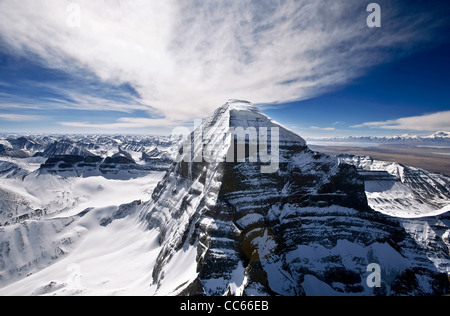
(61, 148)
(45, 217)
(78, 256)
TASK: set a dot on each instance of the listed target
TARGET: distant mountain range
(440, 137)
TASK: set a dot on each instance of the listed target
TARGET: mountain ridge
(437, 137)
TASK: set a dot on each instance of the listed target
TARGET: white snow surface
(65, 249)
(99, 263)
(66, 254)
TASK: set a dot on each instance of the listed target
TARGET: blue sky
(412, 86)
(149, 66)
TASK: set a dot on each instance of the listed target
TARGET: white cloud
(322, 128)
(125, 123)
(19, 117)
(423, 123)
(185, 58)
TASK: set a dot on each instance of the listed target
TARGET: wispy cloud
(322, 128)
(184, 58)
(125, 123)
(81, 94)
(423, 123)
(20, 118)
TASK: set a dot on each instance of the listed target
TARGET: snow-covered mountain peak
(243, 114)
(243, 108)
(440, 134)
(240, 108)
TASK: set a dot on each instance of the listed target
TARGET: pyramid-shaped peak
(244, 114)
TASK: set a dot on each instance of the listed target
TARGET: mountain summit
(305, 228)
(440, 135)
(239, 131)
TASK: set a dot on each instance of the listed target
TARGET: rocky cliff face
(305, 228)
